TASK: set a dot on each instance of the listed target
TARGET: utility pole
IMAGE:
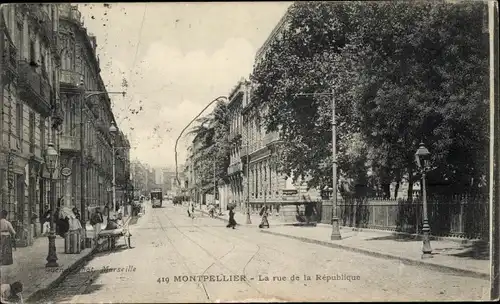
(214, 183)
(335, 236)
(82, 154)
(335, 220)
(249, 220)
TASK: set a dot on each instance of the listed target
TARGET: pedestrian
(264, 213)
(46, 220)
(11, 293)
(7, 237)
(96, 221)
(191, 209)
(232, 221)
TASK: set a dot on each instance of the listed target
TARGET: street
(178, 259)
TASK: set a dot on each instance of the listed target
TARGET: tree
(212, 133)
(402, 73)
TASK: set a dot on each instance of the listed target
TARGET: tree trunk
(386, 189)
(410, 183)
(396, 189)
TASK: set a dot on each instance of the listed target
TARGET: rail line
(216, 259)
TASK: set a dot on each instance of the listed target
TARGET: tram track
(217, 260)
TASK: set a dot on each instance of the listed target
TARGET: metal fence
(458, 216)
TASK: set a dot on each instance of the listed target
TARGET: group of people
(212, 209)
(63, 220)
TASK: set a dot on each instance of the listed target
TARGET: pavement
(465, 257)
(191, 260)
(29, 266)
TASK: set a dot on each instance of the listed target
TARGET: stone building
(235, 171)
(122, 169)
(139, 178)
(86, 104)
(29, 100)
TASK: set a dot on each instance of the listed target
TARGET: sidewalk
(468, 258)
(29, 265)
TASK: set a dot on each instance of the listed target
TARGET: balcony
(70, 12)
(34, 88)
(234, 168)
(9, 59)
(69, 79)
(270, 138)
(69, 143)
(44, 21)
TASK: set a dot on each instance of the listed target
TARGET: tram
(156, 198)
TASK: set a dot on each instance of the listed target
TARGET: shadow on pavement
(133, 220)
(397, 238)
(479, 250)
(76, 283)
(118, 248)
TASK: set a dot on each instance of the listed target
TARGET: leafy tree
(402, 73)
(212, 132)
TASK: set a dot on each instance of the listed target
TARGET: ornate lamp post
(51, 157)
(422, 158)
(113, 131)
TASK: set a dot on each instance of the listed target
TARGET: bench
(112, 235)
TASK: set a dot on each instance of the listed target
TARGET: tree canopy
(400, 73)
(212, 133)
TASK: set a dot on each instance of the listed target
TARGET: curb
(36, 295)
(418, 237)
(407, 261)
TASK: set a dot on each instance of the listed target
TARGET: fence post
(460, 218)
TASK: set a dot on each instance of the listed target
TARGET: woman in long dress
(7, 235)
(232, 221)
(264, 213)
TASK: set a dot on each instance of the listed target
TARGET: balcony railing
(70, 12)
(69, 143)
(70, 78)
(33, 86)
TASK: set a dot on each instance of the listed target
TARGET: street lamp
(422, 158)
(51, 157)
(113, 131)
(182, 132)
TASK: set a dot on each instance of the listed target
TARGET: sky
(175, 59)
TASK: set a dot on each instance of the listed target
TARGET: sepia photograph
(266, 151)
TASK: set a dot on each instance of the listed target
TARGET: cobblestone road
(178, 259)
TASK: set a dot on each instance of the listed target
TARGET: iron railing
(462, 216)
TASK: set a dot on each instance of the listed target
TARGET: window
(19, 38)
(42, 133)
(32, 53)
(44, 65)
(256, 183)
(32, 132)
(19, 123)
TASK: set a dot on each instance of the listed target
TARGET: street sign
(66, 171)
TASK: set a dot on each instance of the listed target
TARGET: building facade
(235, 171)
(139, 178)
(266, 185)
(29, 100)
(80, 75)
